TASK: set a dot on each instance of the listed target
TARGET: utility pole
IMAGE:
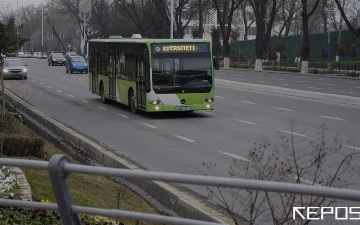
(200, 20)
(172, 19)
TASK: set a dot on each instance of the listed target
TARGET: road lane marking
(49, 87)
(329, 84)
(235, 156)
(351, 82)
(58, 90)
(148, 125)
(33, 80)
(290, 110)
(348, 92)
(352, 147)
(83, 101)
(184, 138)
(70, 95)
(287, 84)
(261, 81)
(288, 132)
(306, 181)
(323, 79)
(247, 122)
(315, 88)
(301, 81)
(101, 107)
(248, 102)
(56, 74)
(80, 79)
(278, 79)
(121, 115)
(334, 118)
(218, 96)
(210, 113)
(356, 87)
(41, 83)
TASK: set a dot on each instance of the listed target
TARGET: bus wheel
(102, 94)
(132, 103)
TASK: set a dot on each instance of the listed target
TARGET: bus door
(140, 82)
(94, 62)
(112, 75)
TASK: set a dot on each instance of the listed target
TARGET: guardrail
(59, 168)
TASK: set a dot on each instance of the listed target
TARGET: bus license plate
(183, 108)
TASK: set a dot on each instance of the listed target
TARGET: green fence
(292, 46)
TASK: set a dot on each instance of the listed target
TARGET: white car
(21, 54)
(39, 56)
(35, 54)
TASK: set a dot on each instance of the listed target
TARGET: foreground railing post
(63, 197)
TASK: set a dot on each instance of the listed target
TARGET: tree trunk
(226, 52)
(306, 42)
(339, 39)
(258, 65)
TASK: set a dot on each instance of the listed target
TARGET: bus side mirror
(216, 63)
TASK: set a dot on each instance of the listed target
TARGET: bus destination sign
(179, 47)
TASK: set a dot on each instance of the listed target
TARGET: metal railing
(59, 168)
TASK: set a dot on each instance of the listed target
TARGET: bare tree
(247, 16)
(305, 24)
(265, 13)
(225, 10)
(286, 15)
(296, 160)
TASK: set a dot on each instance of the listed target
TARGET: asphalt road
(325, 84)
(193, 143)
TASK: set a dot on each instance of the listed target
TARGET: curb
(291, 92)
(175, 197)
(23, 184)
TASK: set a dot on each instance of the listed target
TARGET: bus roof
(147, 40)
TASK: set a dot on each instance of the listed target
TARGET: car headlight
(209, 100)
(53, 60)
(5, 70)
(24, 70)
(155, 102)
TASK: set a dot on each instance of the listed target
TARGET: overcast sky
(14, 3)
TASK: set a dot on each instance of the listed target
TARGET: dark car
(14, 68)
(56, 59)
(76, 64)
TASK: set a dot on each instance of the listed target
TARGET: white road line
(247, 122)
(351, 82)
(315, 88)
(83, 101)
(33, 80)
(184, 138)
(298, 77)
(70, 95)
(287, 84)
(306, 181)
(209, 113)
(301, 81)
(334, 118)
(348, 92)
(356, 87)
(41, 83)
(261, 81)
(80, 79)
(330, 84)
(290, 110)
(121, 115)
(323, 79)
(235, 156)
(278, 79)
(288, 132)
(148, 125)
(352, 147)
(58, 90)
(248, 102)
(56, 74)
(49, 86)
(219, 97)
(101, 107)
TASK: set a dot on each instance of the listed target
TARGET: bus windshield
(177, 72)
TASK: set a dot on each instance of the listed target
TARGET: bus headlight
(157, 108)
(6, 70)
(207, 106)
(209, 100)
(155, 102)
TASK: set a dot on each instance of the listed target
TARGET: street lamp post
(171, 19)
(42, 29)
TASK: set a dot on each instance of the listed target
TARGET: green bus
(153, 75)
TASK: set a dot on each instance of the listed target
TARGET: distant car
(20, 54)
(68, 54)
(28, 55)
(14, 68)
(56, 59)
(35, 54)
(42, 55)
(76, 64)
